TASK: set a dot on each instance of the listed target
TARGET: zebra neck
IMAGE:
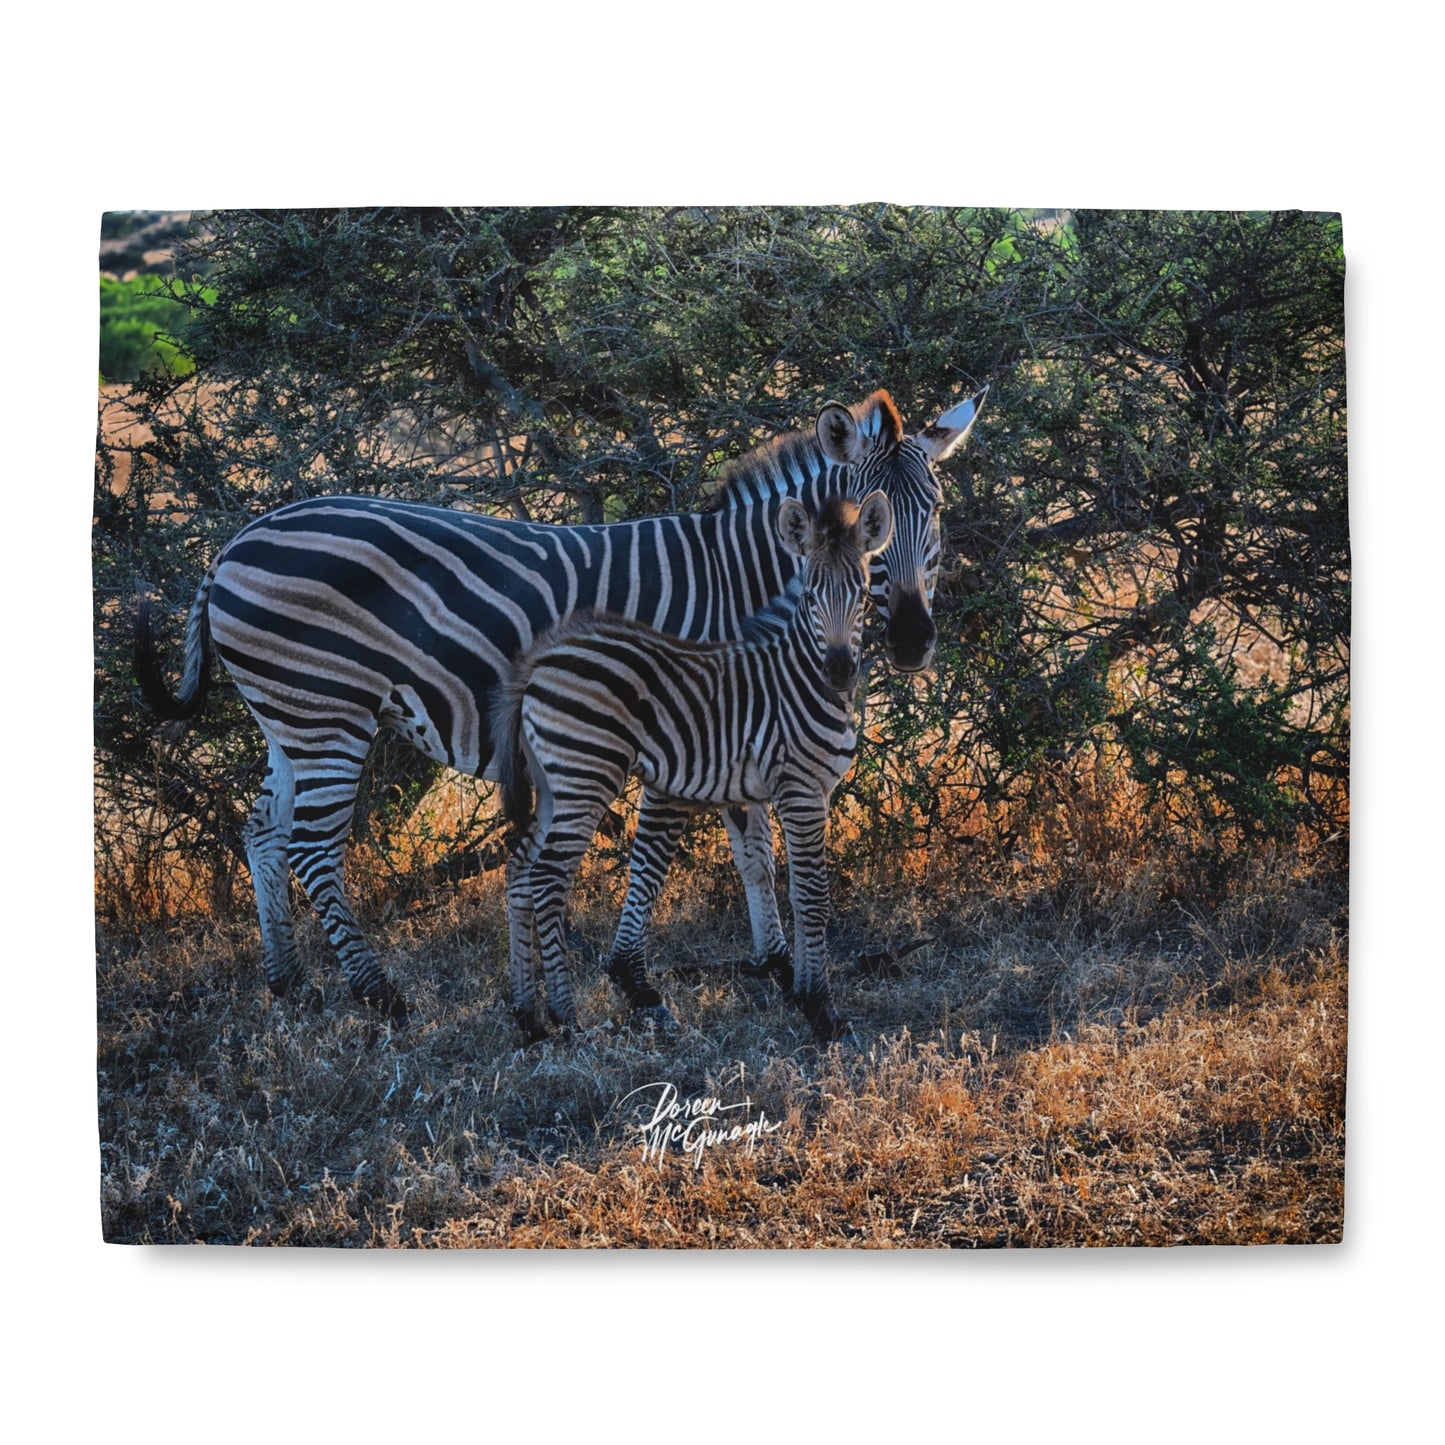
(742, 536)
(796, 647)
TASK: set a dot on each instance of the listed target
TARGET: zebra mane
(754, 475)
(791, 455)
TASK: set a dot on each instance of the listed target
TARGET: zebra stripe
(767, 718)
(339, 617)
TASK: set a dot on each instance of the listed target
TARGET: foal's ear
(875, 522)
(794, 526)
(951, 430)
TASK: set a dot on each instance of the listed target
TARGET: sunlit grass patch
(1045, 1070)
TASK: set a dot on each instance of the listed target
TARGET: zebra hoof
(656, 1017)
(532, 1029)
(386, 1001)
(778, 966)
(566, 1022)
(640, 997)
(629, 977)
(828, 1024)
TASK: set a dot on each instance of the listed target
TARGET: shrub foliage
(1147, 542)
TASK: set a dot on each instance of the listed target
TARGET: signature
(696, 1124)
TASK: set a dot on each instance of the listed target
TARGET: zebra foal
(768, 718)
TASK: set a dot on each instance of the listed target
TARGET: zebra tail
(513, 777)
(196, 678)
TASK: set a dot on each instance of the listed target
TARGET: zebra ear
(840, 436)
(950, 431)
(794, 526)
(875, 522)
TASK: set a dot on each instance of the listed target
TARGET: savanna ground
(1103, 1041)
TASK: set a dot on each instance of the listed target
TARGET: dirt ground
(1046, 1066)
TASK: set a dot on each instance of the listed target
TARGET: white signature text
(696, 1124)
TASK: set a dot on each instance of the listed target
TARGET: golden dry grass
(1096, 1050)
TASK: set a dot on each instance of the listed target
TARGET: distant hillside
(139, 243)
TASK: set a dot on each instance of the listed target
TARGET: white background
(1225, 105)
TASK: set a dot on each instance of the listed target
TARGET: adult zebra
(769, 717)
(338, 617)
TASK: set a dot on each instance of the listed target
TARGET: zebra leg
(660, 821)
(522, 938)
(805, 821)
(267, 835)
(560, 851)
(750, 831)
(325, 803)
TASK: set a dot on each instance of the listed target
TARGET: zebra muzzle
(840, 669)
(911, 633)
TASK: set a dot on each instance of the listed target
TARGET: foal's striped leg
(660, 821)
(750, 831)
(561, 848)
(522, 935)
(804, 815)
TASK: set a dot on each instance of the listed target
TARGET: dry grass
(1086, 1053)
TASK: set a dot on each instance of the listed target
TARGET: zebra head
(870, 439)
(836, 548)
